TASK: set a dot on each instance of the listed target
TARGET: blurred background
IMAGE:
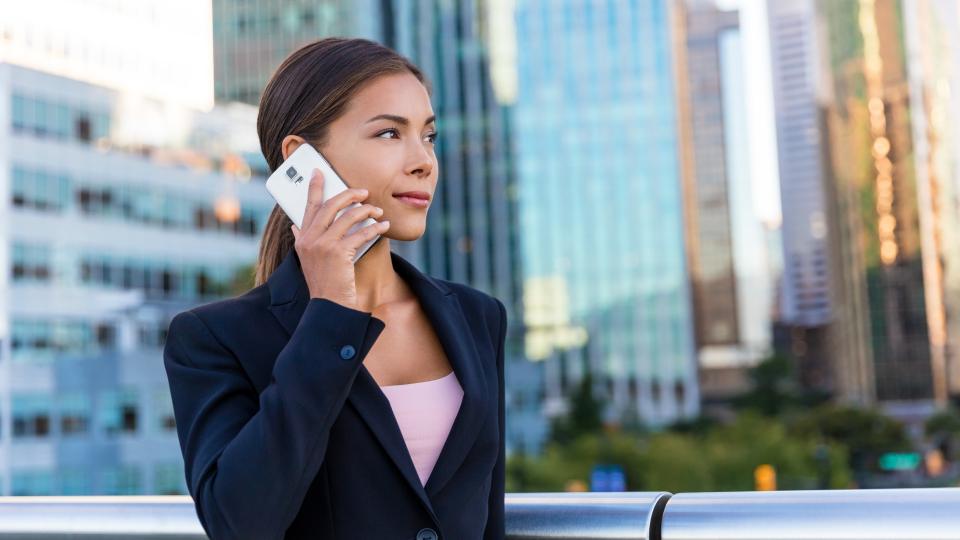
(727, 232)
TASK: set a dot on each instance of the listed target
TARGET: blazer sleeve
(250, 458)
(495, 529)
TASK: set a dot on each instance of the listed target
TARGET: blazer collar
(289, 297)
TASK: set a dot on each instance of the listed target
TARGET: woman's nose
(421, 160)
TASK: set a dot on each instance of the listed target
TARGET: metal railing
(888, 514)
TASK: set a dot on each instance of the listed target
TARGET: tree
(943, 429)
(866, 433)
(584, 417)
(773, 389)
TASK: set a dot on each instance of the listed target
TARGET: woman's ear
(289, 144)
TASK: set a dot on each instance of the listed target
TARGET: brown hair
(311, 89)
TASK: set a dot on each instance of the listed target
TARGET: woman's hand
(325, 249)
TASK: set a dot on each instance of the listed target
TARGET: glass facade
(251, 38)
(601, 203)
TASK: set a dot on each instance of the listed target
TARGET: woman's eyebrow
(398, 119)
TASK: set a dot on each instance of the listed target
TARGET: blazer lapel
(289, 298)
(446, 315)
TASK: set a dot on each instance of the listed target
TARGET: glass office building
(251, 38)
(132, 222)
(605, 276)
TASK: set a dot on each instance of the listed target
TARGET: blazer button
(347, 352)
(427, 534)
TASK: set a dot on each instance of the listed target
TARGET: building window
(151, 334)
(57, 120)
(74, 414)
(106, 335)
(679, 392)
(31, 262)
(82, 129)
(19, 112)
(39, 190)
(119, 411)
(45, 340)
(31, 415)
(164, 406)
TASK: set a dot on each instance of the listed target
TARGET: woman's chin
(404, 234)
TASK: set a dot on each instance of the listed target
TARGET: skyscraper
(932, 42)
(601, 205)
(878, 185)
(251, 38)
(822, 305)
(727, 243)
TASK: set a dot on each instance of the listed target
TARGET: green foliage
(721, 459)
(773, 388)
(810, 444)
(865, 432)
(943, 429)
(943, 424)
(677, 463)
(736, 449)
(584, 416)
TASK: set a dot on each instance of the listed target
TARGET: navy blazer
(285, 434)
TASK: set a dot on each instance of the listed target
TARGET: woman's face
(384, 143)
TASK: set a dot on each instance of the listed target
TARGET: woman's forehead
(400, 94)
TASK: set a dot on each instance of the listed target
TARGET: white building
(111, 221)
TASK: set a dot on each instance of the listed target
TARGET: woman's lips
(415, 199)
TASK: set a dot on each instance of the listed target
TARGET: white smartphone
(288, 185)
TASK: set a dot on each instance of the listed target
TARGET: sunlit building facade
(879, 175)
(119, 211)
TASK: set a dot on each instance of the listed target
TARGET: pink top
(425, 412)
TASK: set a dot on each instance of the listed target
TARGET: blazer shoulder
(228, 315)
(479, 304)
(473, 296)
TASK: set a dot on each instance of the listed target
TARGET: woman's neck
(377, 281)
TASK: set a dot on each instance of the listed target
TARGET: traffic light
(765, 478)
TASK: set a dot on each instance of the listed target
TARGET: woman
(336, 400)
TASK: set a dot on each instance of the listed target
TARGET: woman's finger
(328, 212)
(341, 226)
(364, 234)
(314, 198)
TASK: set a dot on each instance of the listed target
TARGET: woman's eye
(432, 138)
(388, 132)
